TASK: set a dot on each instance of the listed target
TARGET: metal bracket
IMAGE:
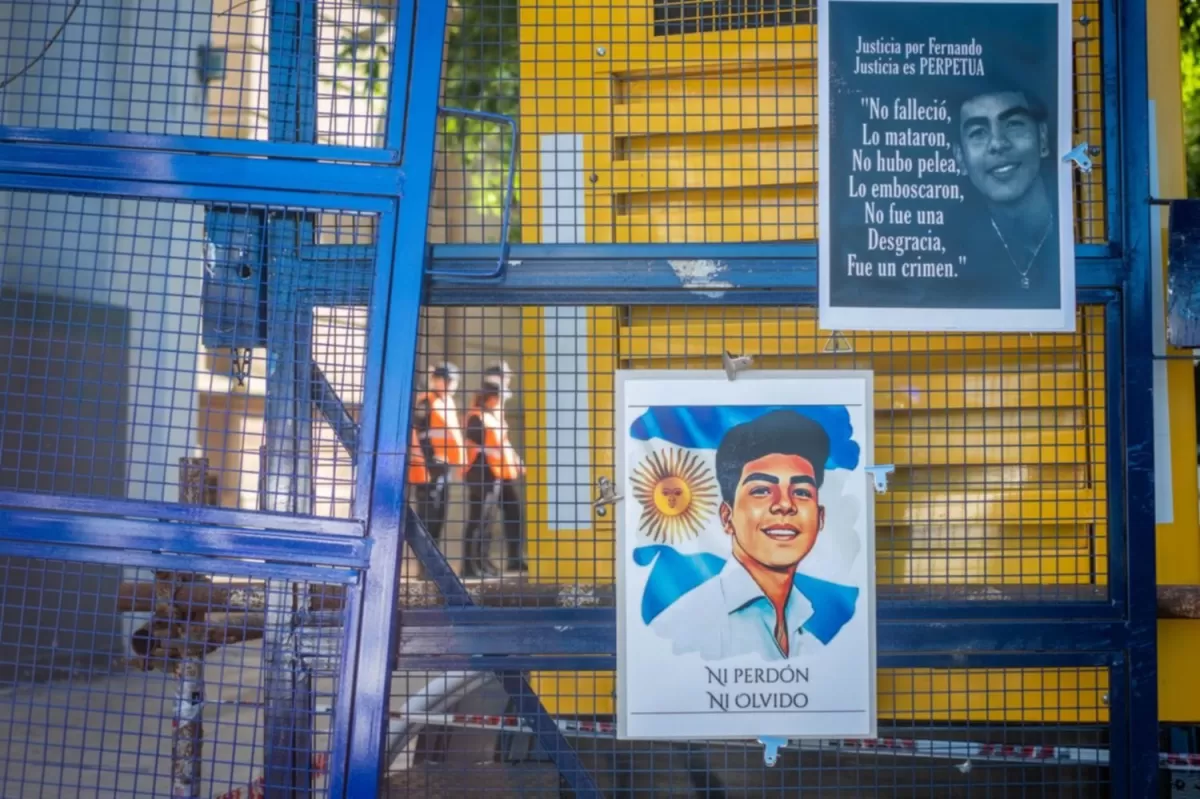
(735, 363)
(210, 63)
(880, 474)
(771, 747)
(1079, 156)
(240, 364)
(608, 496)
(506, 213)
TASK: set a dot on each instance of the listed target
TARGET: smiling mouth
(781, 533)
(1003, 172)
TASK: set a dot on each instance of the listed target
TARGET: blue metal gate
(218, 294)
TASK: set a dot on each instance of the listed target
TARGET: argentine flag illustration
(671, 452)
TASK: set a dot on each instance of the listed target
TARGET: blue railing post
(1142, 609)
(287, 469)
(392, 344)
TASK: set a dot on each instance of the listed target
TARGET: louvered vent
(675, 17)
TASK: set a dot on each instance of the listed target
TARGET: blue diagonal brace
(529, 707)
(334, 412)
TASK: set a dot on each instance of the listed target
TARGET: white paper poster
(945, 202)
(746, 598)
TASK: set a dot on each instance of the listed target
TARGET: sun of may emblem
(677, 493)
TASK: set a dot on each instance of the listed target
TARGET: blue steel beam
(194, 169)
(886, 660)
(245, 192)
(234, 522)
(177, 561)
(286, 471)
(1118, 524)
(392, 346)
(1121, 760)
(591, 275)
(551, 634)
(391, 351)
(1138, 693)
(64, 527)
(652, 274)
(207, 145)
(334, 412)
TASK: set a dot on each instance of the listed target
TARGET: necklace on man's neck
(1024, 273)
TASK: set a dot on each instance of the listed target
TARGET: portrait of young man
(1004, 146)
(769, 472)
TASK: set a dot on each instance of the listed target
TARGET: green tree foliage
(1189, 35)
(480, 73)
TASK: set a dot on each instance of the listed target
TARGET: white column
(565, 344)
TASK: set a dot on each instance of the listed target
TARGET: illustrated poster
(745, 555)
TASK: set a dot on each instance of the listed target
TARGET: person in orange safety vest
(491, 478)
(438, 446)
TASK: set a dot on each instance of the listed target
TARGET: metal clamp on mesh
(506, 212)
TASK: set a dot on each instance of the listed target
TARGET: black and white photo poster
(945, 202)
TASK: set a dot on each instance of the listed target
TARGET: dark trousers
(431, 506)
(431, 501)
(487, 495)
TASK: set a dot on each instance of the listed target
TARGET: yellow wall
(731, 158)
(1178, 542)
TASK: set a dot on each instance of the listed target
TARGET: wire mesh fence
(665, 122)
(134, 333)
(183, 68)
(119, 681)
(944, 733)
(148, 353)
(999, 444)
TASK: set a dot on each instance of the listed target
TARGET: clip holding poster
(945, 202)
(745, 555)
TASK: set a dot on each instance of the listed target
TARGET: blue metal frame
(506, 207)
(392, 357)
(400, 272)
(246, 148)
(1119, 631)
(639, 274)
(1140, 703)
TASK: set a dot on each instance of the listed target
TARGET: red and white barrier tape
(257, 789)
(898, 747)
(966, 751)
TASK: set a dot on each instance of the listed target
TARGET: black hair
(445, 371)
(499, 371)
(995, 83)
(780, 432)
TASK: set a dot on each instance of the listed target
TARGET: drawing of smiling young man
(769, 471)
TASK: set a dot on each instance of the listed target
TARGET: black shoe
(472, 566)
(519, 566)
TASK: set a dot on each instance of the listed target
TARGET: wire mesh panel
(134, 333)
(165, 353)
(666, 121)
(186, 68)
(943, 733)
(999, 442)
(118, 683)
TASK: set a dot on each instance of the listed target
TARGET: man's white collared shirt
(729, 616)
